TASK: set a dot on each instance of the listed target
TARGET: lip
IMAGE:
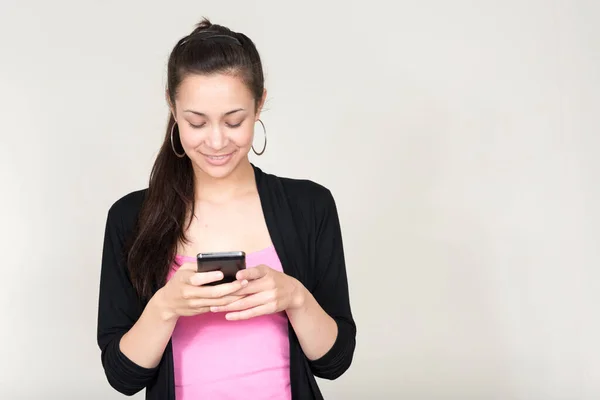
(218, 160)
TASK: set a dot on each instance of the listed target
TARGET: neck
(219, 190)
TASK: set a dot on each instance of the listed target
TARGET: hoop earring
(180, 155)
(265, 146)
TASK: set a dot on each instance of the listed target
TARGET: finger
(264, 309)
(207, 303)
(223, 289)
(211, 292)
(184, 272)
(191, 311)
(252, 273)
(256, 286)
(189, 266)
(202, 278)
(245, 302)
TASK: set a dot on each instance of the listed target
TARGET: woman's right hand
(185, 294)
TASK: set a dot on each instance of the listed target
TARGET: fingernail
(214, 309)
(244, 283)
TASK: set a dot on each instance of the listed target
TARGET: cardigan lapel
(280, 224)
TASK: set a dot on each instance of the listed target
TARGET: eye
(197, 126)
(233, 125)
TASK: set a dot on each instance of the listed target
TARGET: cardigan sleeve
(331, 290)
(118, 309)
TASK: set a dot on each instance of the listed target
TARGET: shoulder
(131, 203)
(309, 203)
(306, 190)
(300, 191)
(125, 210)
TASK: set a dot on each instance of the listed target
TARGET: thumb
(186, 271)
(189, 266)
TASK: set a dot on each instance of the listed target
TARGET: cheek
(242, 136)
(190, 137)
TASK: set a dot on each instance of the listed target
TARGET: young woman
(286, 318)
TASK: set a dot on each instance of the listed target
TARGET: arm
(118, 310)
(147, 339)
(330, 293)
(315, 329)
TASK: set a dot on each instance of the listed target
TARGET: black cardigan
(303, 223)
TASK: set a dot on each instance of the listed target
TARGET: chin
(217, 172)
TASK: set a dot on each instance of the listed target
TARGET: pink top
(216, 359)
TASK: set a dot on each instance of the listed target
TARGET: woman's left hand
(268, 291)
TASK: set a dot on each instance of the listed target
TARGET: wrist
(160, 308)
(299, 296)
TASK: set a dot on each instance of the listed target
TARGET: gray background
(460, 140)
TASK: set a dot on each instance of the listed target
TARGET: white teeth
(216, 157)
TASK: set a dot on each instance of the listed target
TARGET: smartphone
(229, 262)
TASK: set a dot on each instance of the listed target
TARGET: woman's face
(216, 116)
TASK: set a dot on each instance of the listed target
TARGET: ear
(261, 104)
(171, 105)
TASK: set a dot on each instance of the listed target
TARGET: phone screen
(227, 262)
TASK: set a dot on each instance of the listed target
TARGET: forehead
(218, 92)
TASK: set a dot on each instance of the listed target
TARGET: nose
(216, 138)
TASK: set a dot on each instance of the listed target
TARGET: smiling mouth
(218, 157)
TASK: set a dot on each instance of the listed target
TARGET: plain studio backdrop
(460, 140)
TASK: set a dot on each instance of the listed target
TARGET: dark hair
(168, 207)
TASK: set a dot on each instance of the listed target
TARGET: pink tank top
(216, 359)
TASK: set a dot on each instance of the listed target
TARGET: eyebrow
(204, 115)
